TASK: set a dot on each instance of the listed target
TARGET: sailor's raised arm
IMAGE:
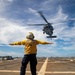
(51, 43)
(18, 43)
(43, 42)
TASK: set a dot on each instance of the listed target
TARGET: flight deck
(45, 66)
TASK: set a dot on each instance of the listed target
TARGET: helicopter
(47, 28)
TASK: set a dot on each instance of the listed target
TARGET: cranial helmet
(30, 35)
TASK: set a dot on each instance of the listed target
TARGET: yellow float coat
(30, 45)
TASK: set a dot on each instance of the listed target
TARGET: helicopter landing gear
(43, 32)
(51, 36)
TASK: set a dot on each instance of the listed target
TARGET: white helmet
(30, 35)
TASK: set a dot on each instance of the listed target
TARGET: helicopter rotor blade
(43, 16)
(36, 24)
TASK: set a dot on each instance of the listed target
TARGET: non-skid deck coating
(45, 66)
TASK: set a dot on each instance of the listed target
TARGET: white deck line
(49, 72)
(13, 71)
(65, 72)
(43, 68)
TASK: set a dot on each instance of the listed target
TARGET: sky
(15, 15)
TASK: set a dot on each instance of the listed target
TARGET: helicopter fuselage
(48, 29)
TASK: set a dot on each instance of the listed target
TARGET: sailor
(30, 52)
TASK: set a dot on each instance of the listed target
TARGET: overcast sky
(15, 15)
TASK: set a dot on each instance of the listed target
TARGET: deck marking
(65, 72)
(43, 68)
(12, 71)
(49, 72)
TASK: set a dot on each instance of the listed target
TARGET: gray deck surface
(53, 67)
